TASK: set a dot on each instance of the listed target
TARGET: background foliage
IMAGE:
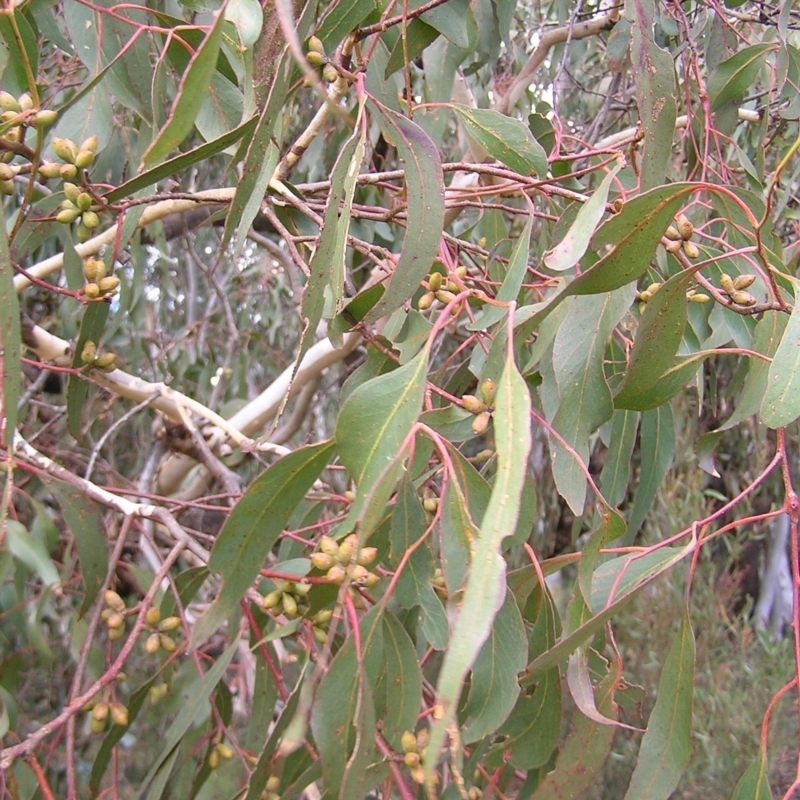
(389, 410)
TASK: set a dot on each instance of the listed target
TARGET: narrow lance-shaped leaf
(254, 526)
(486, 587)
(569, 251)
(753, 785)
(584, 397)
(667, 744)
(11, 339)
(425, 213)
(373, 424)
(191, 95)
(504, 138)
(660, 332)
(736, 75)
(654, 74)
(325, 287)
(781, 404)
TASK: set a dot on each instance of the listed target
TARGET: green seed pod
(347, 549)
(323, 617)
(50, 170)
(111, 598)
(430, 504)
(167, 644)
(45, 118)
(685, 228)
(119, 714)
(329, 545)
(67, 216)
(435, 280)
(336, 574)
(357, 573)
(108, 284)
(320, 634)
(106, 361)
(90, 219)
(743, 298)
(97, 725)
(426, 301)
(68, 171)
(699, 298)
(116, 620)
(84, 201)
(225, 750)
(472, 404)
(169, 624)
(726, 282)
(367, 555)
(289, 605)
(84, 159)
(691, 249)
(744, 281)
(302, 589)
(316, 59)
(487, 391)
(314, 45)
(65, 149)
(481, 423)
(272, 599)
(322, 561)
(9, 103)
(152, 617)
(72, 192)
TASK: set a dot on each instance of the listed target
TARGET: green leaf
(484, 592)
(191, 95)
(453, 19)
(586, 749)
(493, 687)
(753, 785)
(584, 397)
(343, 17)
(30, 552)
(401, 683)
(324, 291)
(616, 470)
(253, 527)
(571, 249)
(373, 424)
(667, 744)
(86, 526)
(195, 700)
(504, 138)
(769, 333)
(532, 731)
(343, 714)
(737, 74)
(660, 332)
(781, 403)
(654, 74)
(507, 293)
(657, 448)
(22, 46)
(11, 338)
(425, 192)
(418, 36)
(414, 589)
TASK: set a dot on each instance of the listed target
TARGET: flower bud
(72, 192)
(430, 504)
(90, 144)
(314, 45)
(167, 644)
(90, 219)
(408, 741)
(68, 171)
(50, 170)
(322, 561)
(726, 282)
(488, 390)
(119, 714)
(105, 360)
(67, 216)
(45, 118)
(153, 644)
(88, 355)
(100, 711)
(472, 404)
(481, 423)
(744, 281)
(691, 249)
(272, 599)
(329, 545)
(336, 574)
(84, 159)
(426, 301)
(367, 555)
(9, 103)
(111, 598)
(289, 605)
(347, 549)
(25, 101)
(435, 280)
(108, 284)
(743, 298)
(84, 201)
(92, 291)
(685, 227)
(65, 149)
(152, 617)
(169, 624)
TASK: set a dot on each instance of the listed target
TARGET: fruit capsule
(744, 281)
(472, 404)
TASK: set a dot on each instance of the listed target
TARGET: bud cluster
(482, 406)
(344, 560)
(442, 290)
(315, 56)
(105, 362)
(159, 638)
